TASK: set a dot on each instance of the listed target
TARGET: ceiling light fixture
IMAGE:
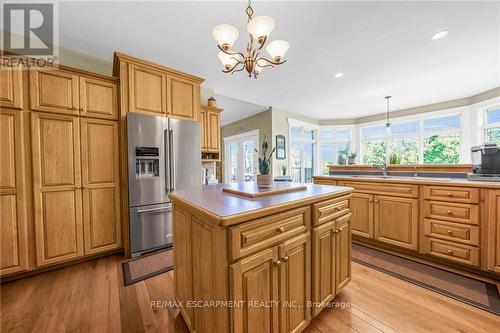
(338, 75)
(440, 35)
(259, 28)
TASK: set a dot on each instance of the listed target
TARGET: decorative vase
(264, 181)
(351, 161)
(212, 102)
(342, 160)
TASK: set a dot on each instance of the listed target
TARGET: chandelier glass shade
(259, 28)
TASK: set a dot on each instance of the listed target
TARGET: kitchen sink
(400, 177)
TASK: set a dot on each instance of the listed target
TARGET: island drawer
(325, 181)
(452, 194)
(454, 212)
(383, 188)
(330, 209)
(250, 237)
(462, 233)
(460, 253)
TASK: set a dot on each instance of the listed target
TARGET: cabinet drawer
(249, 237)
(460, 253)
(392, 189)
(452, 194)
(461, 233)
(331, 209)
(454, 212)
(325, 182)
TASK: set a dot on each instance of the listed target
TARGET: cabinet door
(214, 133)
(323, 260)
(396, 221)
(54, 91)
(254, 281)
(13, 225)
(343, 252)
(147, 90)
(205, 130)
(493, 234)
(295, 284)
(11, 87)
(98, 98)
(183, 98)
(362, 214)
(57, 190)
(100, 179)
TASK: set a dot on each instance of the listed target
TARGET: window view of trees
(492, 131)
(374, 152)
(302, 157)
(406, 150)
(333, 143)
(442, 149)
(493, 135)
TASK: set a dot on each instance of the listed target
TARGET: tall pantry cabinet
(59, 178)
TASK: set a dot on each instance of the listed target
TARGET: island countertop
(229, 209)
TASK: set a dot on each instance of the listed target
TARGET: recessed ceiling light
(440, 35)
(338, 75)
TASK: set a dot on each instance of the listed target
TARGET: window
(302, 148)
(492, 128)
(428, 141)
(333, 143)
(240, 159)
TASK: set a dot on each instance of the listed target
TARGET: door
(147, 90)
(205, 130)
(254, 281)
(396, 221)
(13, 226)
(493, 235)
(362, 214)
(240, 159)
(323, 262)
(185, 158)
(57, 190)
(150, 227)
(214, 131)
(54, 91)
(343, 252)
(98, 98)
(100, 179)
(183, 98)
(295, 284)
(11, 87)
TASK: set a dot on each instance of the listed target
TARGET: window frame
(303, 125)
(487, 126)
(334, 142)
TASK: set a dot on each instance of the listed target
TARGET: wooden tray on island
(251, 190)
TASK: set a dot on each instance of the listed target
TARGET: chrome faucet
(415, 173)
(383, 166)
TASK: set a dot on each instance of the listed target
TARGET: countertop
(408, 180)
(227, 208)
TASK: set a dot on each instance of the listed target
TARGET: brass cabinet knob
(280, 229)
(450, 212)
(277, 262)
(450, 251)
(376, 200)
(450, 232)
(449, 194)
(338, 208)
(285, 258)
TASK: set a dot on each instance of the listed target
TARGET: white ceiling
(382, 47)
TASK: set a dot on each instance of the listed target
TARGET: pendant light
(388, 123)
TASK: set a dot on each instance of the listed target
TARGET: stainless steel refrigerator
(163, 156)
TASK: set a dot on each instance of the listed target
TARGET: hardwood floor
(91, 297)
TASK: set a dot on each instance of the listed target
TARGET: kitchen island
(264, 264)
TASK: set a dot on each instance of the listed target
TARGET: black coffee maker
(486, 161)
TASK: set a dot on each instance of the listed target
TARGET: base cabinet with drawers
(278, 270)
(452, 224)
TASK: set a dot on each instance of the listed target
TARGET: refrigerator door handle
(161, 209)
(172, 160)
(166, 139)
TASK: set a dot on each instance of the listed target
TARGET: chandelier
(258, 28)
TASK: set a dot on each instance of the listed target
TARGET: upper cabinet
(210, 129)
(11, 87)
(66, 92)
(157, 90)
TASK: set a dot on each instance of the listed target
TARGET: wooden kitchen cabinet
(255, 279)
(147, 90)
(13, 226)
(11, 87)
(100, 180)
(183, 98)
(396, 221)
(98, 98)
(54, 91)
(343, 252)
(210, 118)
(57, 195)
(493, 234)
(362, 214)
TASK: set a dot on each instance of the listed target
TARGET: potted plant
(351, 158)
(394, 159)
(283, 169)
(264, 180)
